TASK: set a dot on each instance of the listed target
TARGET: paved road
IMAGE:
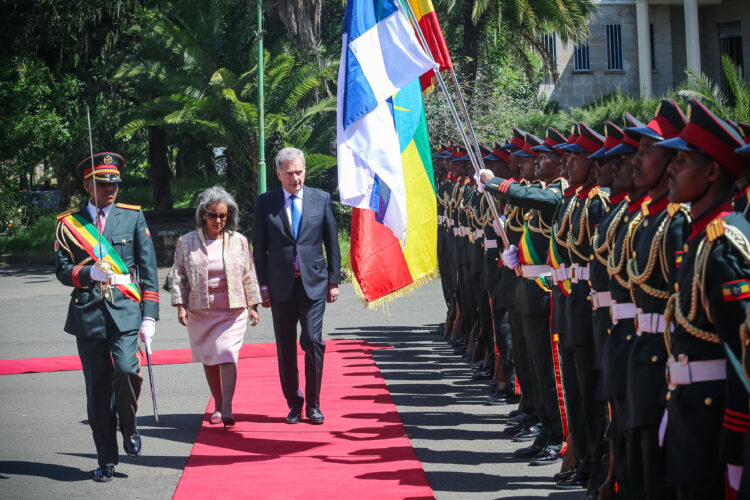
(45, 443)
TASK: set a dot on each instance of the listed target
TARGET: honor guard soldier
(538, 200)
(585, 211)
(443, 192)
(656, 235)
(104, 251)
(742, 194)
(707, 406)
(615, 171)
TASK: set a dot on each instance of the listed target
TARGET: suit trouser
(468, 298)
(309, 313)
(573, 406)
(593, 412)
(485, 342)
(646, 464)
(546, 407)
(620, 437)
(523, 367)
(111, 369)
(504, 346)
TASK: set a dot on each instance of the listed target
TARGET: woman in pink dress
(215, 290)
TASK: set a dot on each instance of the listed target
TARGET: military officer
(707, 406)
(656, 235)
(104, 251)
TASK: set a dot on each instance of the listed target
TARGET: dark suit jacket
(127, 232)
(274, 246)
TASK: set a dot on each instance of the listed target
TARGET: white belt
(649, 322)
(488, 243)
(441, 218)
(682, 372)
(579, 272)
(600, 299)
(451, 222)
(455, 231)
(465, 231)
(621, 311)
(534, 271)
(119, 279)
(561, 274)
(478, 233)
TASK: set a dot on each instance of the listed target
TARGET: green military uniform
(106, 320)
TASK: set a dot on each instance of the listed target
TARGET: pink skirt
(216, 334)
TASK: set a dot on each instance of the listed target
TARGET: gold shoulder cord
(574, 243)
(609, 237)
(614, 269)
(654, 252)
(558, 233)
(513, 219)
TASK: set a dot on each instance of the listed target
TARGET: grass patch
(346, 266)
(39, 238)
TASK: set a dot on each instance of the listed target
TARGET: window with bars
(582, 57)
(550, 45)
(614, 47)
(653, 51)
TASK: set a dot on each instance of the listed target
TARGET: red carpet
(164, 357)
(361, 451)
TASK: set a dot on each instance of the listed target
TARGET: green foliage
(185, 191)
(733, 107)
(35, 239)
(608, 108)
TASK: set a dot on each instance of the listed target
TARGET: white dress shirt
(288, 205)
(94, 213)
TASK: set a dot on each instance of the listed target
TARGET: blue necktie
(296, 216)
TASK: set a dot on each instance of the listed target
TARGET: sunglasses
(213, 216)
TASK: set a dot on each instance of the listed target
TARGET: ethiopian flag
(384, 267)
(426, 16)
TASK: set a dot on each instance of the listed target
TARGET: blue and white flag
(380, 55)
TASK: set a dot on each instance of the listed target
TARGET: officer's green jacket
(129, 236)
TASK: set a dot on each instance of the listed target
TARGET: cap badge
(107, 160)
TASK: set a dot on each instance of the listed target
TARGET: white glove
(734, 475)
(480, 184)
(148, 329)
(510, 257)
(99, 275)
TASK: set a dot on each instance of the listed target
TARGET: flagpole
(474, 155)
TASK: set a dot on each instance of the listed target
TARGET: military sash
(88, 237)
(527, 254)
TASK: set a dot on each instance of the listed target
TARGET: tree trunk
(159, 167)
(179, 164)
(470, 52)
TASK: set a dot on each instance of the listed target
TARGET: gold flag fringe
(384, 300)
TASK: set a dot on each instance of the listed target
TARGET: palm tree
(520, 24)
(735, 106)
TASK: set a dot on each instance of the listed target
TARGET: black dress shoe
(575, 482)
(485, 374)
(565, 475)
(294, 415)
(545, 457)
(131, 443)
(515, 413)
(495, 399)
(528, 434)
(529, 451)
(512, 430)
(104, 474)
(518, 419)
(315, 416)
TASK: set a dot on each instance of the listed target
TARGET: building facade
(643, 47)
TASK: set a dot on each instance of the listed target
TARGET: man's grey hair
(217, 194)
(289, 154)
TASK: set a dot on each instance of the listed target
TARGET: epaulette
(594, 191)
(66, 213)
(715, 228)
(137, 208)
(466, 181)
(674, 208)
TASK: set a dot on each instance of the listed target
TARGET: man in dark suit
(104, 251)
(292, 225)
